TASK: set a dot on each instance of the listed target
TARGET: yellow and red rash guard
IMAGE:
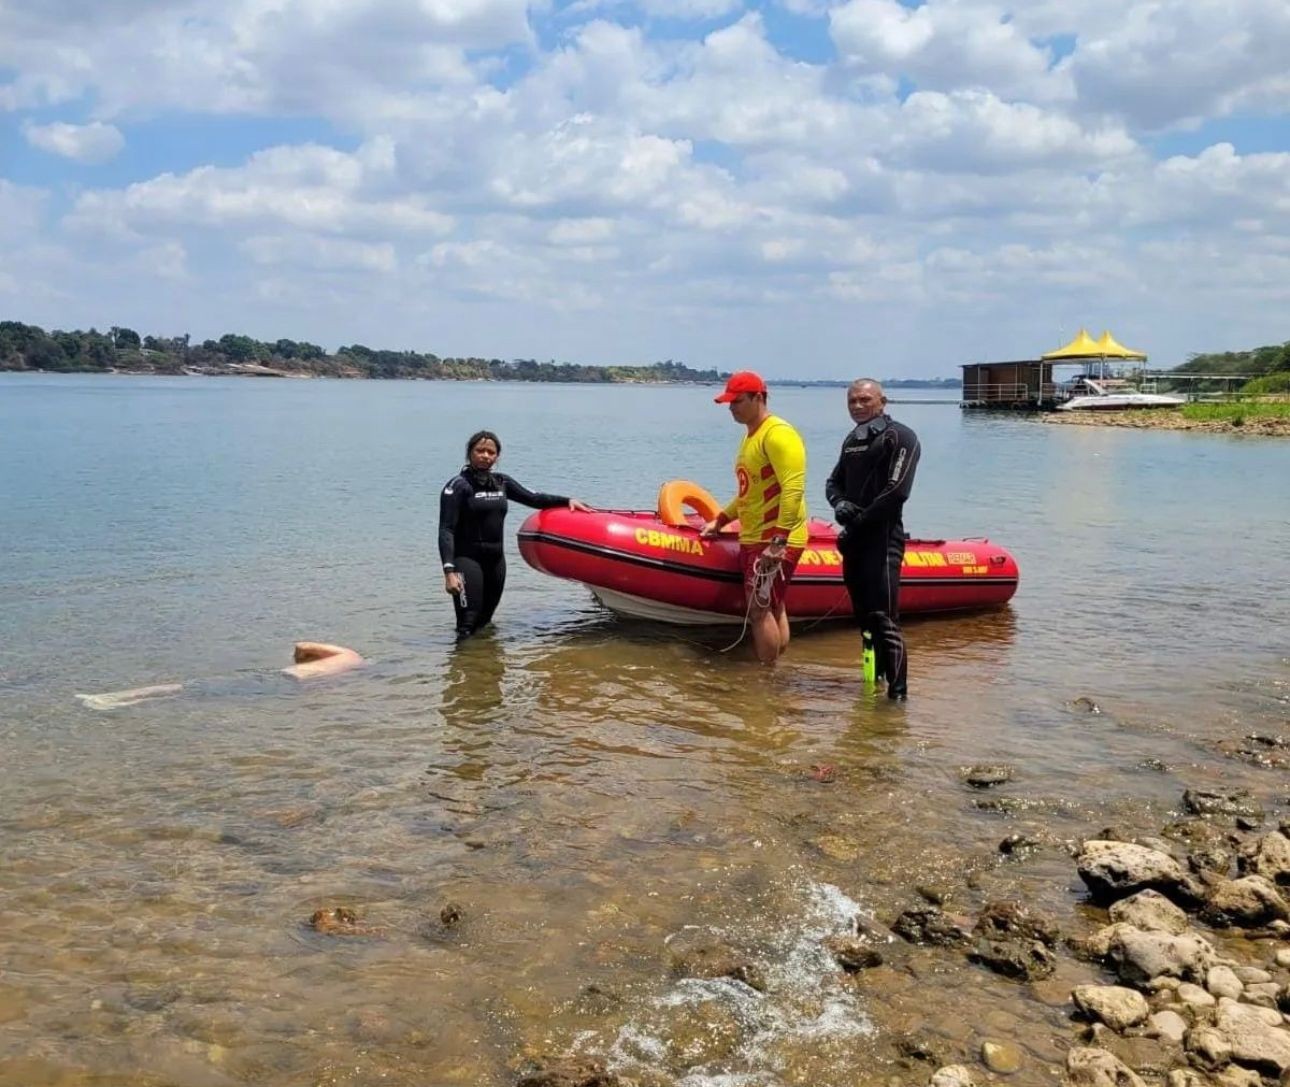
(771, 470)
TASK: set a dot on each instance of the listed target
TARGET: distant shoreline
(274, 372)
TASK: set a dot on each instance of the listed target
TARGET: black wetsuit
(867, 490)
(472, 510)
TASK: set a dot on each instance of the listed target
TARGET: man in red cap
(770, 507)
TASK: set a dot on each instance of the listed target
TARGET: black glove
(846, 512)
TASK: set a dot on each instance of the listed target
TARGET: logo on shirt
(741, 474)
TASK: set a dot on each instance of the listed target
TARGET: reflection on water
(587, 791)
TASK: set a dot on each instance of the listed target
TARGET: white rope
(765, 570)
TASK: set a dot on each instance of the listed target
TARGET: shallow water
(582, 788)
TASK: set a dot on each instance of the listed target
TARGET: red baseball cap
(741, 381)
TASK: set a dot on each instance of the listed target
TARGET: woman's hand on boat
(452, 583)
(711, 528)
(580, 506)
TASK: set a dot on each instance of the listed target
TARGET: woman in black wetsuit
(472, 510)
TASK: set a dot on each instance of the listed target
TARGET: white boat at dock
(1112, 394)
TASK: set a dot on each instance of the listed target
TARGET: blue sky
(808, 187)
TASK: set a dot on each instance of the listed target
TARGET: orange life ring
(675, 495)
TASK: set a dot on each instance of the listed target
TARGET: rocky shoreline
(1163, 419)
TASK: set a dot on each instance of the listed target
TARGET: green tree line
(1274, 358)
(27, 347)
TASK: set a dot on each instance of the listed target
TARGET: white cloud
(91, 143)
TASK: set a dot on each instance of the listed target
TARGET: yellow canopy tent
(1083, 346)
(1110, 348)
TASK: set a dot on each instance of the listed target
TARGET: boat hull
(639, 566)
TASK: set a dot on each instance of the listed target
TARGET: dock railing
(1011, 392)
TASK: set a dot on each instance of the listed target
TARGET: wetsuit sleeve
(450, 502)
(517, 492)
(787, 456)
(833, 491)
(903, 460)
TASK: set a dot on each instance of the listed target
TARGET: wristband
(448, 568)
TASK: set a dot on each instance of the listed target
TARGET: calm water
(582, 788)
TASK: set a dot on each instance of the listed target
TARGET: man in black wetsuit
(867, 490)
(472, 512)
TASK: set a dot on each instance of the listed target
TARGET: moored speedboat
(654, 565)
(1109, 394)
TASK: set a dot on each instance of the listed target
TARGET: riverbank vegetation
(123, 350)
(1270, 359)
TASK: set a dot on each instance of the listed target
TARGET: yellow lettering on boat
(960, 558)
(667, 541)
(914, 558)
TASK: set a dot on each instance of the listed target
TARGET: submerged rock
(953, 1075)
(988, 775)
(695, 954)
(1028, 960)
(928, 925)
(337, 921)
(1003, 1058)
(567, 1072)
(1013, 920)
(1211, 802)
(853, 954)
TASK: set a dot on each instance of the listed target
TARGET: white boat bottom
(640, 607)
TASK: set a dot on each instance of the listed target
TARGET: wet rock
(928, 926)
(1086, 705)
(702, 1033)
(1139, 956)
(1195, 997)
(1185, 1077)
(837, 847)
(1114, 870)
(1169, 1026)
(1117, 1007)
(1156, 765)
(1251, 975)
(337, 921)
(1269, 857)
(1150, 911)
(987, 776)
(1282, 957)
(1211, 802)
(930, 892)
(1263, 994)
(695, 954)
(1222, 981)
(567, 1072)
(1013, 920)
(1002, 1058)
(593, 999)
(1248, 822)
(1088, 1067)
(1254, 1042)
(1233, 1076)
(1208, 1047)
(953, 1075)
(1018, 845)
(853, 954)
(1209, 858)
(920, 1047)
(1269, 751)
(1027, 960)
(1098, 946)
(1248, 901)
(1004, 805)
(450, 915)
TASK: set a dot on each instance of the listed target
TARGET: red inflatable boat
(654, 565)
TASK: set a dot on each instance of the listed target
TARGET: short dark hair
(482, 435)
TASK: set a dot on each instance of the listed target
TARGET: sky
(809, 188)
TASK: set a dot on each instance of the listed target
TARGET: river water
(585, 791)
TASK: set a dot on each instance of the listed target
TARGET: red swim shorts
(748, 556)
